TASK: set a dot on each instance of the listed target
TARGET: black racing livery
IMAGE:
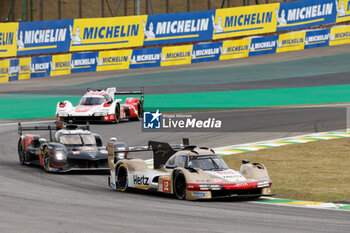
(71, 147)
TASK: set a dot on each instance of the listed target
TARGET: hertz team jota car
(99, 105)
(188, 172)
(70, 148)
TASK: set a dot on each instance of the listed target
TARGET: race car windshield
(206, 162)
(92, 100)
(78, 139)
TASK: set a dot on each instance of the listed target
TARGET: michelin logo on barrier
(40, 66)
(306, 13)
(106, 33)
(263, 45)
(43, 37)
(217, 26)
(7, 38)
(239, 21)
(317, 38)
(206, 52)
(114, 59)
(14, 70)
(339, 35)
(178, 27)
(149, 57)
(83, 62)
(75, 38)
(343, 11)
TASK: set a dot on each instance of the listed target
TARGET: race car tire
(117, 114)
(122, 178)
(139, 113)
(46, 160)
(180, 185)
(21, 153)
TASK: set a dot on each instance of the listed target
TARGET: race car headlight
(120, 155)
(100, 114)
(63, 114)
(210, 187)
(263, 184)
(60, 155)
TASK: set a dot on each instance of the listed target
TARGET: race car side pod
(161, 153)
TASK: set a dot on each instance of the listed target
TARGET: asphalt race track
(32, 200)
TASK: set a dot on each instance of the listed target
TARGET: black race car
(72, 147)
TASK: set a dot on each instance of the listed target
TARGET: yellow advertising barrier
(107, 33)
(241, 21)
(343, 10)
(4, 70)
(176, 55)
(8, 39)
(339, 35)
(24, 68)
(113, 60)
(235, 49)
(291, 42)
(60, 64)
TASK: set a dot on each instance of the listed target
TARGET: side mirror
(170, 166)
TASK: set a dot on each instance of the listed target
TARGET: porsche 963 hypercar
(188, 172)
(99, 105)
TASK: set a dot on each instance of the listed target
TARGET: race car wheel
(180, 186)
(21, 152)
(117, 114)
(122, 178)
(46, 160)
(139, 112)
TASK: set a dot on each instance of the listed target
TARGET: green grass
(315, 171)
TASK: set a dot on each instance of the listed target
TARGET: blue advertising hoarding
(305, 13)
(149, 57)
(178, 27)
(40, 66)
(263, 45)
(83, 62)
(43, 37)
(14, 70)
(317, 38)
(206, 52)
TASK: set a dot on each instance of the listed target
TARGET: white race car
(188, 172)
(102, 106)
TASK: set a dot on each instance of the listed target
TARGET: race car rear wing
(113, 91)
(161, 151)
(59, 125)
(134, 92)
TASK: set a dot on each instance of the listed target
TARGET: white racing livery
(99, 105)
(187, 172)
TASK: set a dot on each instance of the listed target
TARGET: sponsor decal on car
(140, 180)
(166, 184)
(88, 148)
(199, 194)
